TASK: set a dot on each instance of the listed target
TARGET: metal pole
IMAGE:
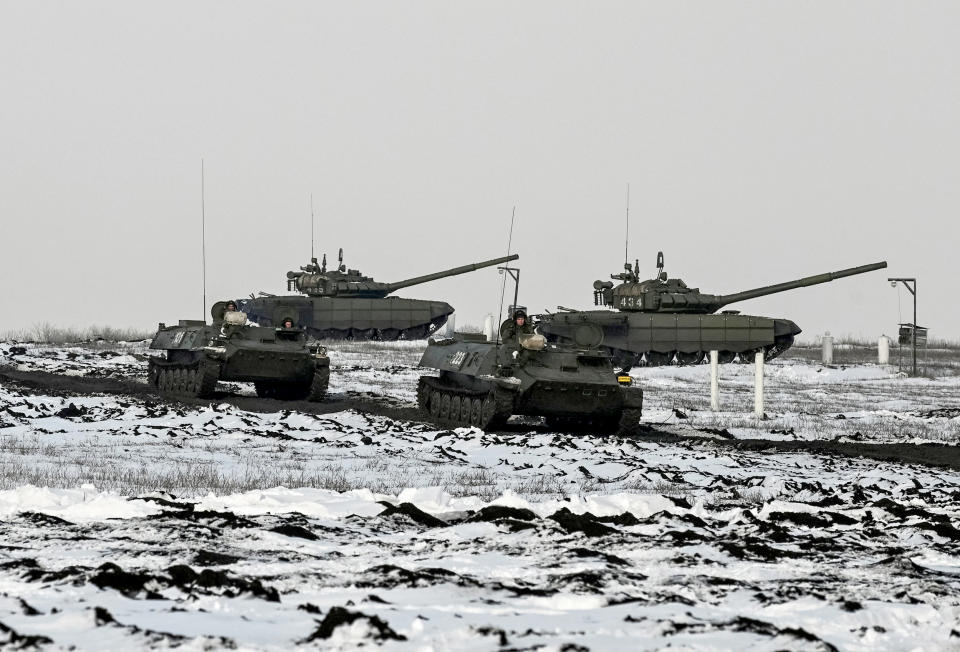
(516, 290)
(203, 239)
(758, 385)
(914, 328)
(714, 381)
(910, 284)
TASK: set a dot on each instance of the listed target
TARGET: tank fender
(509, 383)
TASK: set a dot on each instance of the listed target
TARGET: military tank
(342, 303)
(483, 383)
(663, 321)
(279, 361)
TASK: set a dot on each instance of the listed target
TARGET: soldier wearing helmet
(515, 327)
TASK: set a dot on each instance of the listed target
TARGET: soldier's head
(231, 306)
(287, 322)
(519, 318)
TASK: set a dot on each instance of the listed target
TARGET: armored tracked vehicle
(278, 361)
(662, 321)
(482, 384)
(342, 303)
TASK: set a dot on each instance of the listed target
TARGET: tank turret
(315, 280)
(671, 295)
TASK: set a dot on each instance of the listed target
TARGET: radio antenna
(626, 239)
(503, 286)
(311, 227)
(203, 239)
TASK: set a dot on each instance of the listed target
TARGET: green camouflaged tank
(279, 361)
(662, 321)
(342, 303)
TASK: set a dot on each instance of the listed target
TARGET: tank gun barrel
(417, 280)
(725, 299)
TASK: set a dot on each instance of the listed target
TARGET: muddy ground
(930, 454)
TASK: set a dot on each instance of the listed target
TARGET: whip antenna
(311, 227)
(503, 286)
(203, 240)
(626, 239)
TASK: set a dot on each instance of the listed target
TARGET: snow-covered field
(127, 521)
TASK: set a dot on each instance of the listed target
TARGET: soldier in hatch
(516, 327)
(511, 352)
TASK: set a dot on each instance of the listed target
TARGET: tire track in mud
(937, 455)
(85, 385)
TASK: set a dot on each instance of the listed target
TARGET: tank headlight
(626, 381)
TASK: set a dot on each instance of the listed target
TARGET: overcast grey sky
(762, 141)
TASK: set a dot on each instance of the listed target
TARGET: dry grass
(47, 333)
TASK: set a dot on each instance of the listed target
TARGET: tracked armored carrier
(662, 321)
(482, 384)
(342, 303)
(279, 361)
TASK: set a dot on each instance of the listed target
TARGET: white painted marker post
(827, 343)
(758, 385)
(714, 381)
(883, 350)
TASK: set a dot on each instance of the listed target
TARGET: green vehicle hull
(340, 318)
(480, 384)
(653, 339)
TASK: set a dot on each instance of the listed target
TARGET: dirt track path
(940, 455)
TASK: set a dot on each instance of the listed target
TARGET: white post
(714, 381)
(758, 384)
(489, 328)
(827, 348)
(883, 350)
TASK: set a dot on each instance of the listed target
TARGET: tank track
(462, 408)
(625, 359)
(313, 391)
(418, 332)
(197, 380)
(630, 422)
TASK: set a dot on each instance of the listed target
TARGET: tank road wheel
(455, 403)
(476, 412)
(416, 333)
(190, 384)
(630, 422)
(389, 334)
(445, 407)
(208, 373)
(748, 357)
(466, 405)
(725, 357)
(162, 379)
(423, 395)
(658, 358)
(436, 398)
(318, 387)
(694, 357)
(488, 410)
